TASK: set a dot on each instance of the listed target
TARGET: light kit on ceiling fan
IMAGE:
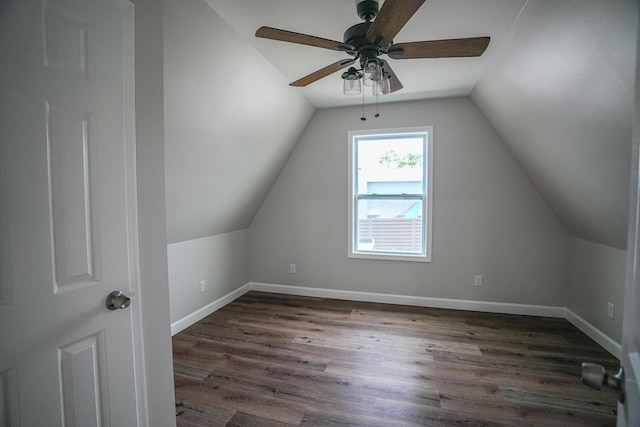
(351, 82)
(372, 75)
(384, 85)
(372, 72)
(370, 39)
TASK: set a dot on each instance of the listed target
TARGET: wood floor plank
(560, 402)
(253, 396)
(520, 413)
(265, 351)
(195, 406)
(279, 361)
(383, 343)
(241, 419)
(202, 416)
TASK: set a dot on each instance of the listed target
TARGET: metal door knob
(116, 300)
(595, 376)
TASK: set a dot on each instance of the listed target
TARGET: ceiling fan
(368, 40)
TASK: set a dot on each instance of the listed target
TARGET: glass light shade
(383, 87)
(372, 72)
(351, 85)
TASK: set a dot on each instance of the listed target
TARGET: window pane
(393, 165)
(390, 225)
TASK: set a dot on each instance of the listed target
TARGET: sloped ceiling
(560, 93)
(230, 123)
(556, 82)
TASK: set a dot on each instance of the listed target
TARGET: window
(390, 194)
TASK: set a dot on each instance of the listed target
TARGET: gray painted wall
(230, 123)
(596, 277)
(222, 261)
(488, 217)
(560, 94)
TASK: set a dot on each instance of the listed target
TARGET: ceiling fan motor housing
(356, 36)
(368, 40)
(367, 9)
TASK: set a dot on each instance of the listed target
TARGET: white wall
(222, 261)
(231, 121)
(596, 277)
(560, 94)
(488, 217)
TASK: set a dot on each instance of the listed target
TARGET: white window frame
(427, 218)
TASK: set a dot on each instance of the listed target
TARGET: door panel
(69, 142)
(64, 214)
(66, 43)
(83, 380)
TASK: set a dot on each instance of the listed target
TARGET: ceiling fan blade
(323, 72)
(393, 15)
(452, 48)
(394, 83)
(299, 38)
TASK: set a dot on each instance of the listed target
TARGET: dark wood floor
(278, 360)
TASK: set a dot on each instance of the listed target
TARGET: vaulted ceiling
(560, 93)
(556, 83)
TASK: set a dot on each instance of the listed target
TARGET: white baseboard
(203, 312)
(595, 334)
(454, 304)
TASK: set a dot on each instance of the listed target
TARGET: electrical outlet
(477, 280)
(292, 268)
(611, 310)
(203, 285)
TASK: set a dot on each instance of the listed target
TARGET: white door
(67, 214)
(629, 411)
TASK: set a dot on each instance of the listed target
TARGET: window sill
(388, 257)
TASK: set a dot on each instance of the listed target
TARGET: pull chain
(363, 118)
